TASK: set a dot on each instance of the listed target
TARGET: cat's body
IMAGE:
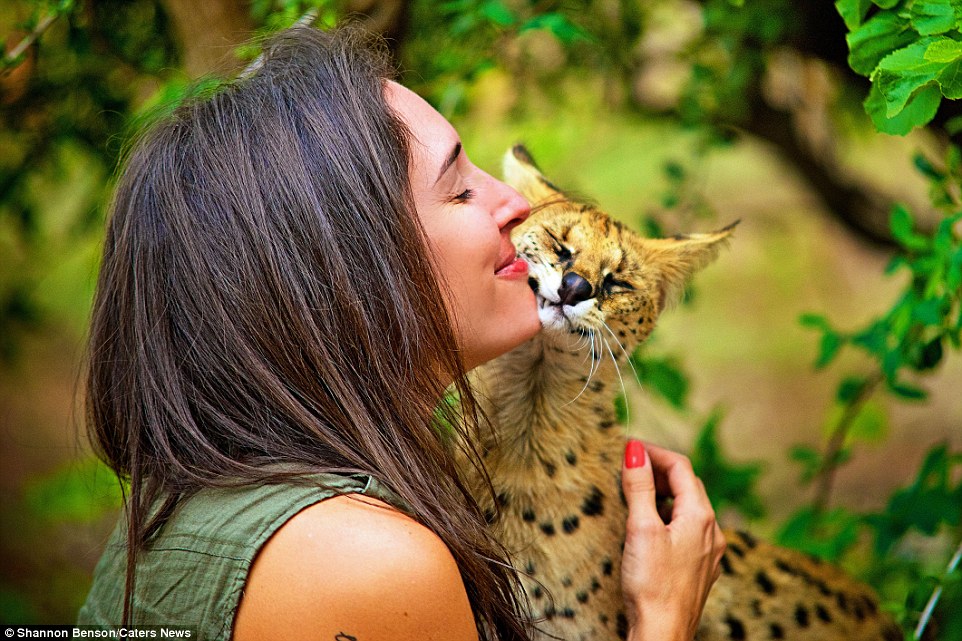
(554, 455)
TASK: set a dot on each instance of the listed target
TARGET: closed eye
(611, 283)
(563, 253)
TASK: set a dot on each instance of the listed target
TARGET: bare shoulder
(354, 567)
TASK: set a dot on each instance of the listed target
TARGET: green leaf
(928, 312)
(849, 389)
(943, 50)
(663, 376)
(950, 80)
(853, 11)
(944, 242)
(558, 25)
(816, 321)
(902, 73)
(828, 349)
(675, 171)
(954, 278)
(497, 13)
(809, 458)
(826, 535)
(930, 17)
(906, 391)
(895, 264)
(670, 200)
(876, 38)
(873, 339)
(885, 4)
(926, 168)
(651, 227)
(931, 499)
(727, 483)
(948, 53)
(903, 229)
(463, 24)
(918, 111)
(891, 362)
(870, 425)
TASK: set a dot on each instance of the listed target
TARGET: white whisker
(592, 368)
(595, 353)
(623, 350)
(624, 390)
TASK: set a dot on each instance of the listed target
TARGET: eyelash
(464, 196)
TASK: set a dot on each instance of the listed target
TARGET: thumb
(638, 482)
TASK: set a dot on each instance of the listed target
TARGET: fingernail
(634, 454)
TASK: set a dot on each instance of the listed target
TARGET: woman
(295, 270)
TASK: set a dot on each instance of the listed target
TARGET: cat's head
(592, 275)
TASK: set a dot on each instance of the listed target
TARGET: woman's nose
(512, 209)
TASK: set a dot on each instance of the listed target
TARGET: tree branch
(825, 478)
(12, 58)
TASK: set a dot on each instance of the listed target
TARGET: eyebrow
(451, 159)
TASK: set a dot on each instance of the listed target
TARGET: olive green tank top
(193, 571)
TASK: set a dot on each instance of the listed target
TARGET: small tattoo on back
(340, 636)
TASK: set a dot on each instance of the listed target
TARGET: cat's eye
(611, 283)
(562, 252)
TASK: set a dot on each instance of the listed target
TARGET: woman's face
(468, 217)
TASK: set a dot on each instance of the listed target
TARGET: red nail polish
(634, 454)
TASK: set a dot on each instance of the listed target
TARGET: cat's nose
(574, 289)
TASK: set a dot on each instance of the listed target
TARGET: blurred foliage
(91, 72)
(731, 56)
(44, 532)
(662, 376)
(911, 71)
(64, 104)
(908, 341)
(454, 41)
(78, 493)
(729, 484)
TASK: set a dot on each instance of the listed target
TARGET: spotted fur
(553, 454)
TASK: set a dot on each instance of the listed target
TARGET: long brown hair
(266, 296)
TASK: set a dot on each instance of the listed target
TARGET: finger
(720, 543)
(664, 461)
(674, 476)
(638, 483)
(716, 573)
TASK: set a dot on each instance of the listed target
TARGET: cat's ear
(678, 258)
(521, 172)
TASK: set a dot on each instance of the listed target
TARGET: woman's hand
(668, 565)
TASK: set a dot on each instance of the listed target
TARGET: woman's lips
(517, 267)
